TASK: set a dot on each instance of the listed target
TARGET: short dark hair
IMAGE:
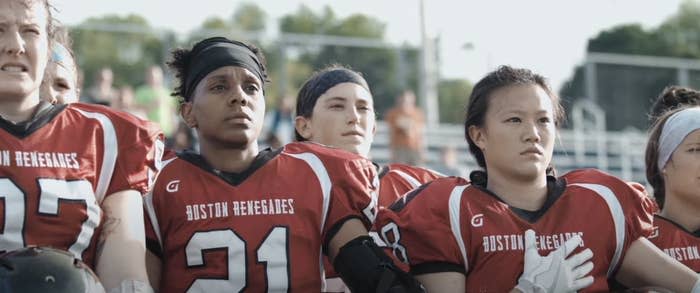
(673, 97)
(319, 82)
(181, 61)
(502, 77)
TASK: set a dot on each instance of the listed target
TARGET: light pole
(427, 82)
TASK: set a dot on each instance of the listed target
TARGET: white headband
(676, 128)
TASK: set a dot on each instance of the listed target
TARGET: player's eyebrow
(336, 99)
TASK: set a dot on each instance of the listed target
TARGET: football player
(335, 107)
(71, 176)
(672, 164)
(234, 217)
(477, 228)
(60, 84)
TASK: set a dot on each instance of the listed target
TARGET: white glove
(696, 287)
(554, 272)
(132, 286)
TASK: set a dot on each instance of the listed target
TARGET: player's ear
(187, 115)
(476, 134)
(303, 127)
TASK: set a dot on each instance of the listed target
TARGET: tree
(216, 23)
(358, 25)
(680, 34)
(626, 39)
(249, 17)
(453, 96)
(212, 26)
(126, 44)
(626, 91)
(380, 66)
(306, 21)
(247, 20)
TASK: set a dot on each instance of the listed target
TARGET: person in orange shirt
(406, 124)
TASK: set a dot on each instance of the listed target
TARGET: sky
(547, 36)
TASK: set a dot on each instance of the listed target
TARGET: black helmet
(44, 269)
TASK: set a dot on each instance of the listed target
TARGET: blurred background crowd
(121, 61)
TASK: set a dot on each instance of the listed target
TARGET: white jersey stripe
(618, 219)
(151, 211)
(111, 151)
(413, 181)
(324, 179)
(454, 206)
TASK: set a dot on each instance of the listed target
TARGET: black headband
(214, 53)
(319, 84)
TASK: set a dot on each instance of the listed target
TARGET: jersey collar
(44, 114)
(555, 189)
(232, 178)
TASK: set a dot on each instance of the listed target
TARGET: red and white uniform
(394, 181)
(397, 179)
(450, 225)
(259, 230)
(677, 242)
(56, 170)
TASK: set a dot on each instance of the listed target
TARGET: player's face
(63, 88)
(343, 117)
(682, 172)
(23, 48)
(517, 137)
(228, 108)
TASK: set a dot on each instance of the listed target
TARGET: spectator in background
(102, 92)
(272, 141)
(406, 123)
(61, 84)
(282, 121)
(184, 138)
(125, 102)
(448, 162)
(154, 100)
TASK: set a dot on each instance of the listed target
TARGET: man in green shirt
(154, 99)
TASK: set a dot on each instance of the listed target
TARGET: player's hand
(555, 272)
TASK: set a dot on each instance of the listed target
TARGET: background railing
(620, 153)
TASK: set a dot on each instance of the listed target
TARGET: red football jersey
(263, 229)
(677, 242)
(397, 179)
(450, 225)
(56, 170)
(394, 181)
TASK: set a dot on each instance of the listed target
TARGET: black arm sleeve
(364, 267)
